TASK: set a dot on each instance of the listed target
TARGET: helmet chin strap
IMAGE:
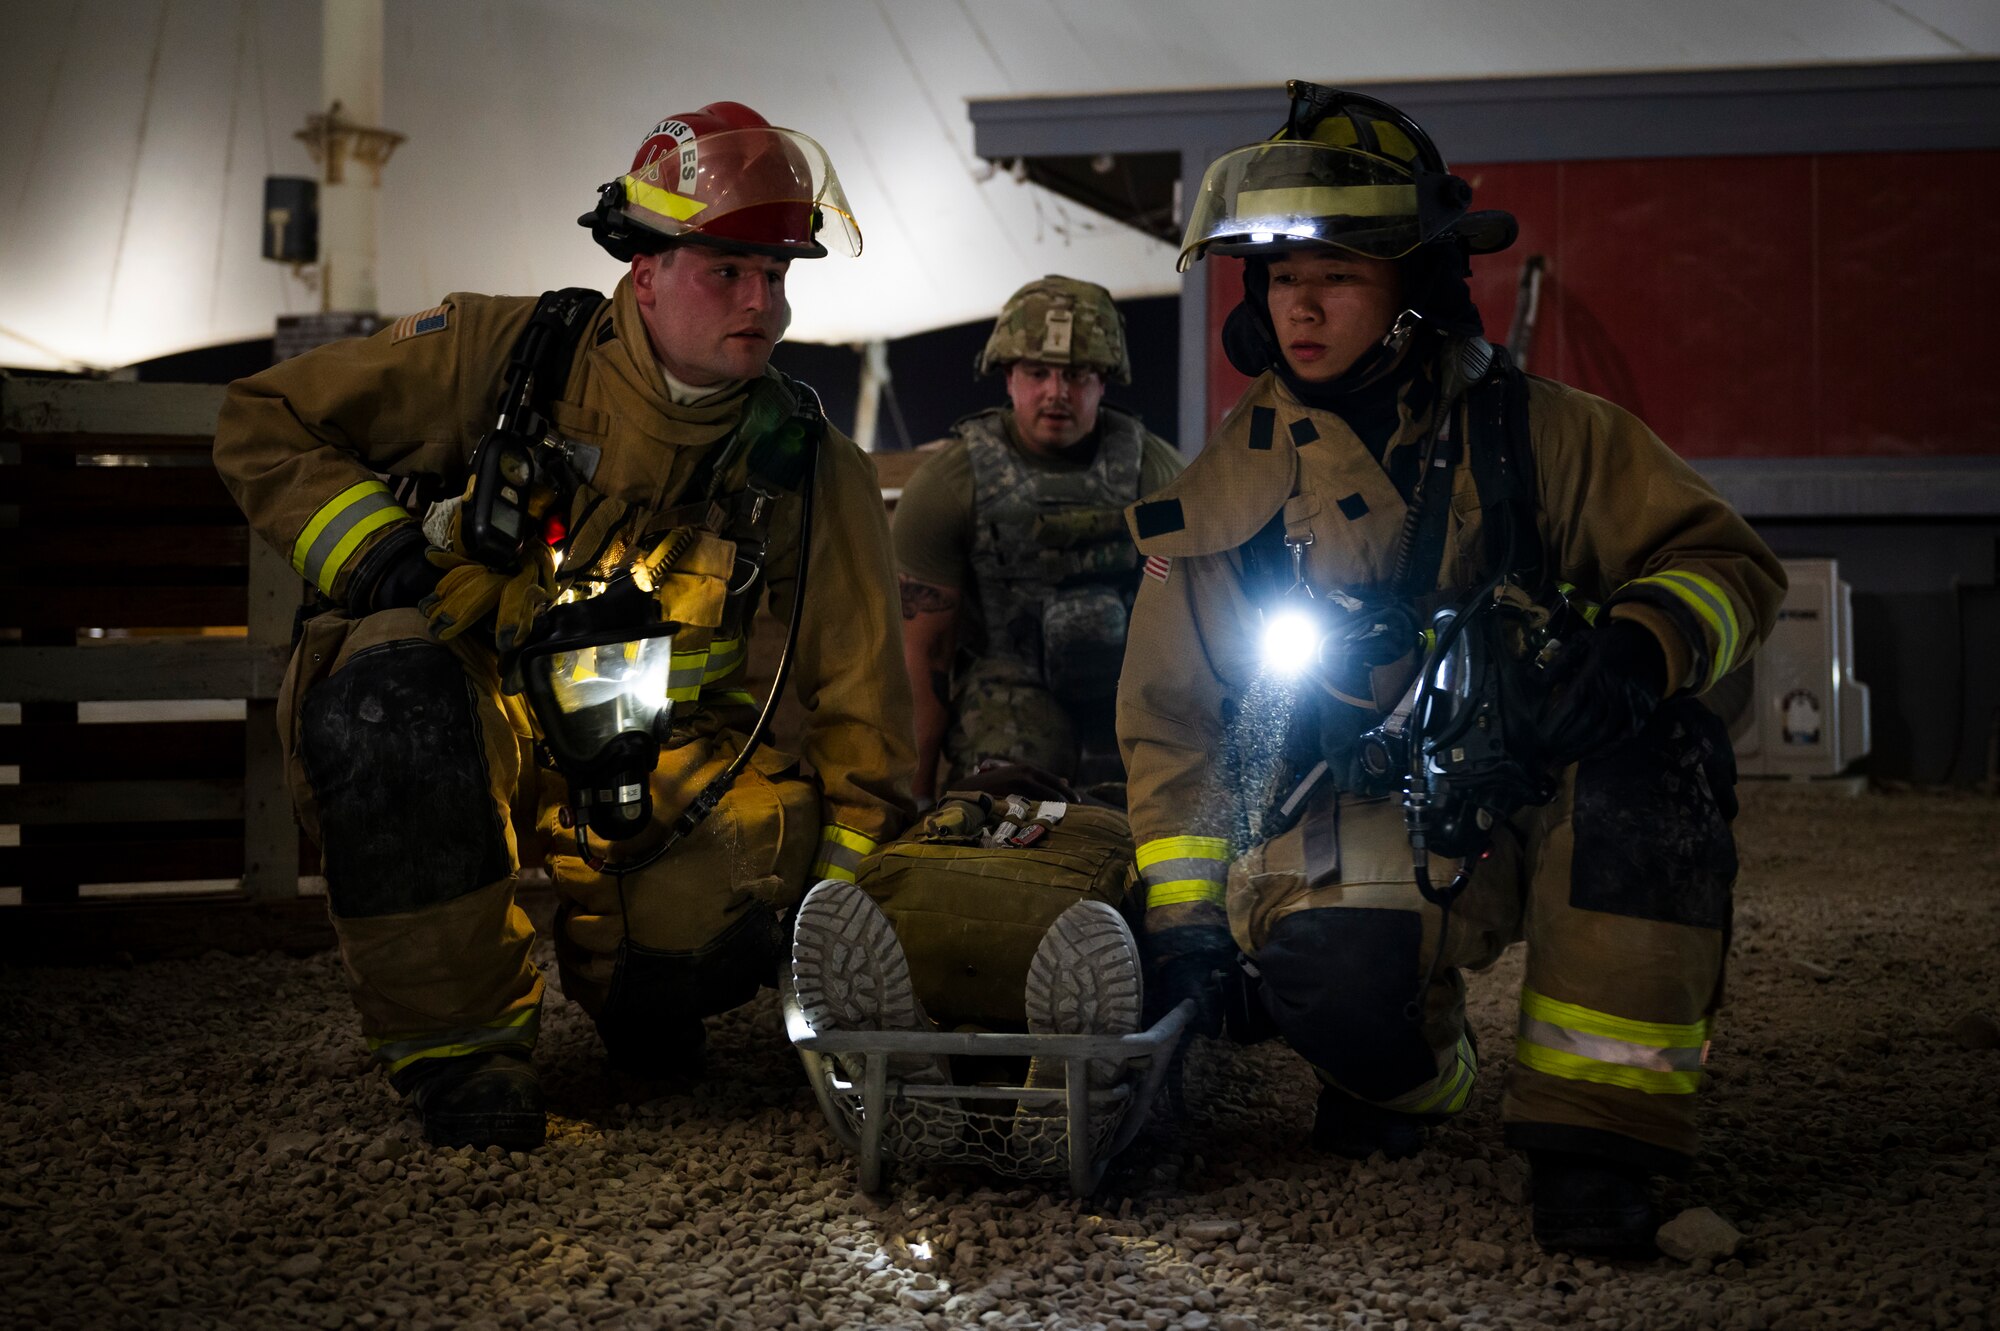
(1383, 358)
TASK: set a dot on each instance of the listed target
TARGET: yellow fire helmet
(1346, 170)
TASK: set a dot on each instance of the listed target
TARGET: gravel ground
(201, 1143)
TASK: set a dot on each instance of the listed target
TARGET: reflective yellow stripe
(1659, 1035)
(1657, 1058)
(729, 697)
(338, 527)
(848, 837)
(1183, 848)
(723, 657)
(515, 1028)
(1575, 1067)
(841, 850)
(1712, 605)
(352, 541)
(1180, 869)
(1185, 890)
(1317, 201)
(1453, 1086)
(684, 675)
(664, 202)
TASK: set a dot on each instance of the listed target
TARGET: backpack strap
(1503, 471)
(538, 369)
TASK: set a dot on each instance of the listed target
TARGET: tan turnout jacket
(300, 446)
(1620, 516)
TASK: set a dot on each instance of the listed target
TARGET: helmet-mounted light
(1346, 170)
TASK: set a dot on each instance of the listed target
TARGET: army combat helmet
(1059, 321)
(726, 177)
(1346, 170)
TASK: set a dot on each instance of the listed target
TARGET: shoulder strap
(1503, 470)
(538, 369)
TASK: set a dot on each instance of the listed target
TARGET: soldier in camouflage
(1016, 571)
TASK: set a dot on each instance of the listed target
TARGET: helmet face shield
(762, 189)
(1286, 194)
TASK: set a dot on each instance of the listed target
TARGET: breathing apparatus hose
(711, 794)
(1416, 798)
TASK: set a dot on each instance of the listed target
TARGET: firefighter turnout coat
(436, 951)
(1621, 886)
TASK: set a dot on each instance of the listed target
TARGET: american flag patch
(1157, 566)
(416, 325)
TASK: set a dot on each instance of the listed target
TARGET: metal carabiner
(1297, 545)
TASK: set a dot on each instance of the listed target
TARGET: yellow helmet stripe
(662, 201)
(1327, 201)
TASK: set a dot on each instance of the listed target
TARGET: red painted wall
(1801, 306)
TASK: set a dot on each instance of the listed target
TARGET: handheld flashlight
(1292, 640)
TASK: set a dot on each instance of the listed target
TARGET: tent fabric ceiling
(135, 134)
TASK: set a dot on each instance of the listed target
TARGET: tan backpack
(972, 888)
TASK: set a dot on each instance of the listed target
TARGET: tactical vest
(1055, 569)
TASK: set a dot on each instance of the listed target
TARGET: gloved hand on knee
(1604, 687)
(1188, 961)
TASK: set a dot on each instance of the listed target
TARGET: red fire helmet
(725, 176)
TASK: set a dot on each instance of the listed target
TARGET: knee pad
(392, 747)
(1337, 984)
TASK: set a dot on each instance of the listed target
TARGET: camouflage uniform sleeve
(300, 444)
(933, 526)
(847, 670)
(1184, 645)
(1633, 526)
(1158, 464)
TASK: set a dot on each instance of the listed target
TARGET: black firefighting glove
(1188, 961)
(394, 573)
(1603, 688)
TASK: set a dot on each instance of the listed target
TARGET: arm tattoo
(923, 598)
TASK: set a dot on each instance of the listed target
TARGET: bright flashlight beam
(1291, 641)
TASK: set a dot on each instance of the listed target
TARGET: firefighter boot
(490, 1099)
(850, 974)
(1356, 1129)
(1586, 1204)
(1084, 980)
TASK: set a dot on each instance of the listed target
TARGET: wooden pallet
(127, 575)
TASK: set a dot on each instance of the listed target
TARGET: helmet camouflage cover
(1060, 321)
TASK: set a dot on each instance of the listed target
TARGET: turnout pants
(1620, 888)
(416, 776)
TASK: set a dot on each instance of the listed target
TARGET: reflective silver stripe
(1605, 1049)
(723, 657)
(684, 675)
(833, 855)
(337, 529)
(1176, 871)
(1695, 589)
